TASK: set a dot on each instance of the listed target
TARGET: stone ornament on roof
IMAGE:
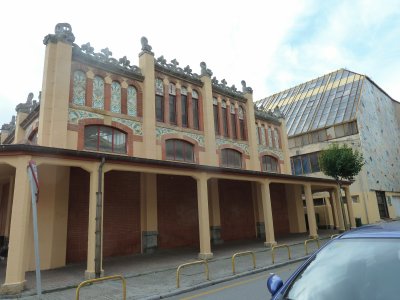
(224, 88)
(278, 113)
(145, 45)
(10, 126)
(173, 68)
(267, 115)
(204, 70)
(28, 106)
(62, 33)
(245, 88)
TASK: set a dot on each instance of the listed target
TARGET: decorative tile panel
(79, 89)
(134, 125)
(74, 115)
(277, 152)
(263, 140)
(380, 138)
(159, 87)
(98, 92)
(115, 97)
(132, 101)
(243, 146)
(160, 131)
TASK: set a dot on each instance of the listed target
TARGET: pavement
(153, 276)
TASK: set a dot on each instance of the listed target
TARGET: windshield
(349, 270)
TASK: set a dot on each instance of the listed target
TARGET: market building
(132, 159)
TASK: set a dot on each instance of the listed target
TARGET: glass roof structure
(319, 103)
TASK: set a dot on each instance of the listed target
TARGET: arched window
(276, 138)
(179, 150)
(269, 164)
(195, 107)
(159, 100)
(224, 119)
(172, 103)
(216, 116)
(233, 121)
(184, 107)
(241, 124)
(115, 97)
(98, 92)
(79, 88)
(231, 158)
(132, 101)
(104, 138)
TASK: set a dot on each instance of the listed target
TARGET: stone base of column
(92, 274)
(12, 288)
(215, 233)
(270, 244)
(313, 236)
(260, 230)
(205, 255)
(149, 241)
(341, 230)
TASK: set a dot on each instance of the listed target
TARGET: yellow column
(251, 132)
(19, 134)
(204, 222)
(297, 222)
(9, 207)
(267, 211)
(287, 169)
(90, 270)
(339, 209)
(334, 209)
(350, 206)
(215, 217)
(146, 63)
(148, 198)
(208, 120)
(328, 213)
(20, 225)
(312, 224)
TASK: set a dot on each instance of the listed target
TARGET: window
(216, 116)
(224, 120)
(79, 88)
(159, 100)
(172, 103)
(179, 150)
(233, 121)
(195, 107)
(241, 124)
(103, 138)
(356, 199)
(184, 107)
(132, 101)
(305, 164)
(115, 97)
(98, 92)
(231, 158)
(269, 164)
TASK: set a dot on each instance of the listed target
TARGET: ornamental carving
(225, 89)
(62, 33)
(174, 69)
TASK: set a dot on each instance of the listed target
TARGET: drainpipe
(99, 213)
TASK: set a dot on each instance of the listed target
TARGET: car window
(351, 269)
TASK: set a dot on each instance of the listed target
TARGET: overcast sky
(273, 45)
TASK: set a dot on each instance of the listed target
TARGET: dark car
(363, 264)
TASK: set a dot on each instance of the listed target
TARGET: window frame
(227, 154)
(114, 131)
(175, 142)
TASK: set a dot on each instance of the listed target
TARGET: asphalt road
(253, 287)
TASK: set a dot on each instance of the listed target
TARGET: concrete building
(345, 107)
(132, 159)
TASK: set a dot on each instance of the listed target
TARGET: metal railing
(310, 240)
(279, 246)
(334, 235)
(90, 281)
(199, 262)
(242, 254)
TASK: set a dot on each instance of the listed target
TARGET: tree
(341, 163)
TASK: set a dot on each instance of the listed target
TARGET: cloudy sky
(273, 45)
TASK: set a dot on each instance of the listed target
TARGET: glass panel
(172, 109)
(216, 119)
(106, 139)
(91, 137)
(224, 122)
(314, 162)
(242, 130)
(169, 149)
(179, 150)
(115, 97)
(98, 92)
(195, 105)
(233, 125)
(79, 90)
(132, 101)
(159, 108)
(306, 164)
(159, 87)
(297, 166)
(119, 141)
(184, 107)
(189, 153)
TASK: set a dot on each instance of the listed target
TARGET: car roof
(389, 229)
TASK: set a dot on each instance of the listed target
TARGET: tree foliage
(341, 162)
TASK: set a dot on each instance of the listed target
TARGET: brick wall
(78, 215)
(3, 208)
(236, 207)
(178, 224)
(279, 209)
(121, 223)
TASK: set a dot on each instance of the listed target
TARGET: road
(253, 287)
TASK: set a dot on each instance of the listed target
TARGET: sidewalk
(154, 276)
